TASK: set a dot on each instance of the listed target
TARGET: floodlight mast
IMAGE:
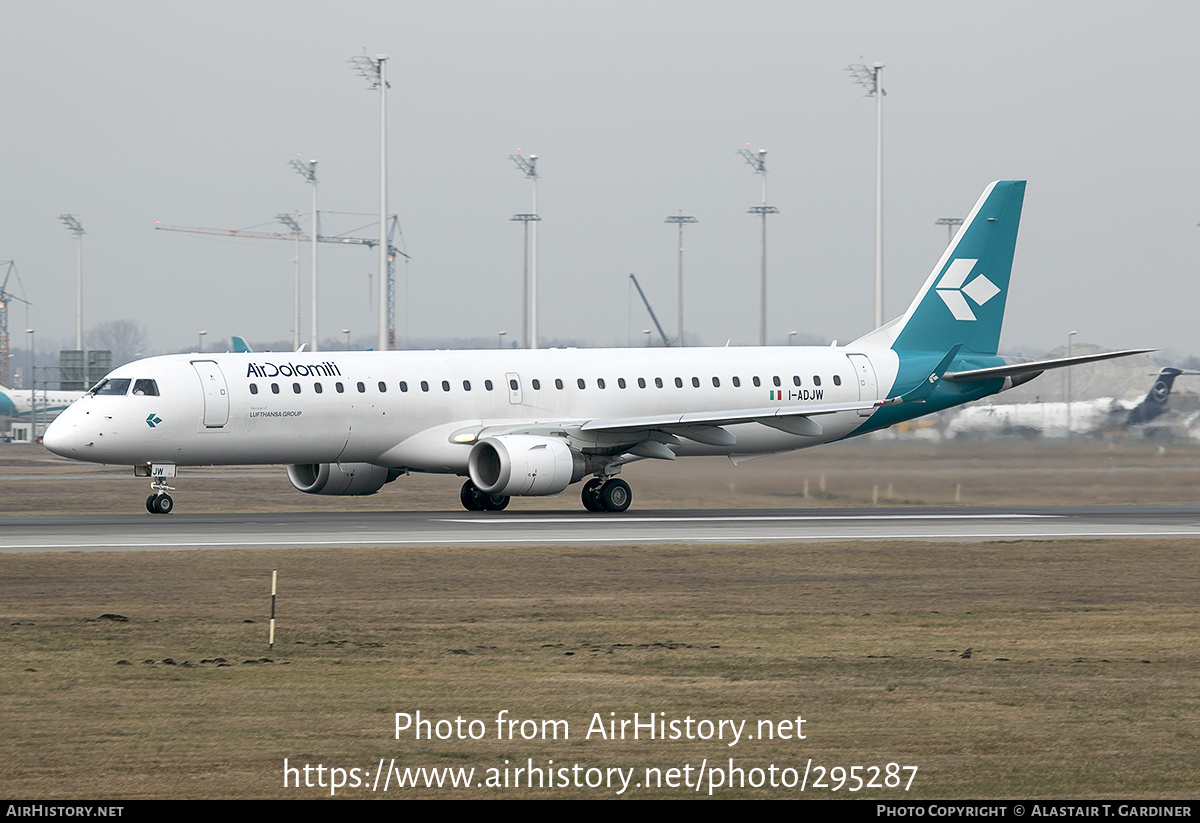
(528, 166)
(309, 172)
(758, 162)
(678, 219)
(76, 228)
(869, 78)
(294, 225)
(951, 223)
(374, 71)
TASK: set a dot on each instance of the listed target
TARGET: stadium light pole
(1070, 336)
(869, 77)
(680, 219)
(32, 382)
(374, 71)
(951, 224)
(309, 172)
(294, 226)
(758, 162)
(528, 166)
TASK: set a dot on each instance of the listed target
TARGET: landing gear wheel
(493, 502)
(150, 503)
(615, 495)
(591, 495)
(160, 504)
(470, 498)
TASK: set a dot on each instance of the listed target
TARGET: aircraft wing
(1032, 368)
(649, 436)
(721, 418)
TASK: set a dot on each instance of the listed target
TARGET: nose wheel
(160, 502)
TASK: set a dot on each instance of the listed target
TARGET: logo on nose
(153, 420)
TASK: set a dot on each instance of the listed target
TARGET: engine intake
(522, 464)
(340, 478)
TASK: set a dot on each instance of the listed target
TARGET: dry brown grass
(1081, 680)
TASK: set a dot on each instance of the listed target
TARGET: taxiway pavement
(144, 532)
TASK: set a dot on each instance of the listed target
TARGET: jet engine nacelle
(340, 478)
(523, 464)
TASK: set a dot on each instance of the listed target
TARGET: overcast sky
(127, 113)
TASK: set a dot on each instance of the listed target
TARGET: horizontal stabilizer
(1035, 367)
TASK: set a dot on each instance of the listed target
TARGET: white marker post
(271, 638)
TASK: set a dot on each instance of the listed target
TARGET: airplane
(534, 422)
(19, 402)
(1105, 414)
(1155, 401)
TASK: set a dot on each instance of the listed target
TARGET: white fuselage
(404, 409)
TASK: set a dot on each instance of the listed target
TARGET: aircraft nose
(60, 437)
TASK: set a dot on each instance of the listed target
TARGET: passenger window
(837, 380)
(318, 388)
(403, 385)
(716, 382)
(145, 387)
(512, 384)
(362, 387)
(579, 382)
(382, 387)
(254, 388)
(340, 388)
(757, 382)
(641, 382)
(658, 382)
(466, 385)
(621, 382)
(737, 382)
(296, 388)
(796, 379)
(695, 382)
(600, 382)
(537, 384)
(775, 380)
(557, 383)
(487, 384)
(816, 380)
(445, 385)
(274, 388)
(424, 385)
(679, 382)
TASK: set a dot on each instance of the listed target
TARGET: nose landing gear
(160, 502)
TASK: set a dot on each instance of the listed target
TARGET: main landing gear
(474, 500)
(612, 495)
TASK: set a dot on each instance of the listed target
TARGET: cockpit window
(118, 386)
(145, 387)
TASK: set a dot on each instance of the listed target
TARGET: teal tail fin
(962, 302)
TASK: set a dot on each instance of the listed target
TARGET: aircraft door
(864, 373)
(216, 393)
(514, 388)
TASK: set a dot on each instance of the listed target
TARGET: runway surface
(144, 532)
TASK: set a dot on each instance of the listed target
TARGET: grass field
(1080, 680)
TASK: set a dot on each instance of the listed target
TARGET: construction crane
(657, 325)
(369, 242)
(6, 298)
